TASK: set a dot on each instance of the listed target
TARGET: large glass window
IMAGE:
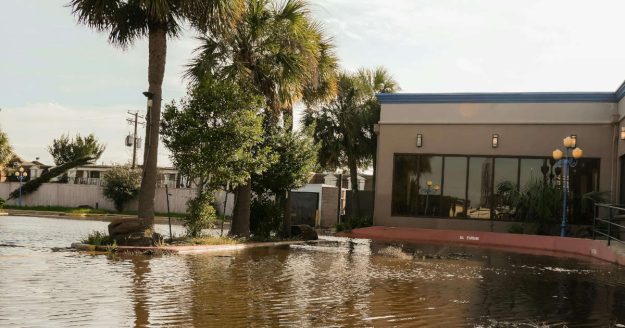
(417, 185)
(479, 189)
(505, 178)
(429, 180)
(535, 169)
(405, 185)
(453, 202)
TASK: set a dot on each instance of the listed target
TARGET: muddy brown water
(337, 283)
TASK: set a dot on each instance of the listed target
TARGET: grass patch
(69, 210)
(205, 240)
(98, 238)
(76, 210)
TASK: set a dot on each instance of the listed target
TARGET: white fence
(74, 195)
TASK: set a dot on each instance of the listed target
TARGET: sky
(59, 77)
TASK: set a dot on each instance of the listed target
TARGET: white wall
(73, 195)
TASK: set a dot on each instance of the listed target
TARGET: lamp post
(428, 189)
(20, 174)
(568, 159)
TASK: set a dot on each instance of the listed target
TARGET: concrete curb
(195, 249)
(533, 244)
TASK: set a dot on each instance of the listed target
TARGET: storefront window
(453, 202)
(480, 187)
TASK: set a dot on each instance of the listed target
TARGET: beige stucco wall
(496, 113)
(515, 139)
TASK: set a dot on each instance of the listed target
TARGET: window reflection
(480, 187)
(455, 187)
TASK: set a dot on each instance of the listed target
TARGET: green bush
(266, 218)
(201, 215)
(121, 184)
(98, 238)
(538, 202)
(1, 203)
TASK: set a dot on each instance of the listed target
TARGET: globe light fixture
(21, 175)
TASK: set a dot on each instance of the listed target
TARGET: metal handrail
(612, 226)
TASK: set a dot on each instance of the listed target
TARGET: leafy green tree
(201, 215)
(344, 127)
(121, 184)
(129, 20)
(215, 137)
(66, 149)
(6, 151)
(297, 159)
(281, 51)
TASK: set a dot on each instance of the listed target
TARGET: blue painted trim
(521, 97)
(620, 92)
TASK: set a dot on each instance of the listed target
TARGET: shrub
(538, 202)
(266, 218)
(98, 238)
(121, 184)
(201, 215)
(1, 203)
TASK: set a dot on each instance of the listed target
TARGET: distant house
(34, 169)
(93, 174)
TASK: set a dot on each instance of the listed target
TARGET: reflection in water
(334, 283)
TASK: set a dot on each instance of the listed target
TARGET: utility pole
(134, 121)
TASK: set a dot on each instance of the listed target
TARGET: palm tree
(129, 20)
(377, 80)
(282, 52)
(344, 127)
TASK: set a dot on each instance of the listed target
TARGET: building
(468, 145)
(92, 174)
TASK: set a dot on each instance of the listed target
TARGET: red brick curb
(550, 245)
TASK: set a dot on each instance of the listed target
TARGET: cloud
(31, 128)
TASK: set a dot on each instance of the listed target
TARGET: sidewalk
(548, 245)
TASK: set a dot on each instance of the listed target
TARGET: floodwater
(337, 283)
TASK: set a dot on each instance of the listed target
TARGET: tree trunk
(353, 176)
(241, 215)
(156, 70)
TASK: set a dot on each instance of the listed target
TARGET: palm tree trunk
(241, 214)
(353, 176)
(157, 45)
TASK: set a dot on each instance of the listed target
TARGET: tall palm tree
(377, 80)
(282, 52)
(129, 20)
(344, 127)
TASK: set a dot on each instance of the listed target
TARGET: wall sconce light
(574, 137)
(419, 140)
(495, 140)
(622, 132)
